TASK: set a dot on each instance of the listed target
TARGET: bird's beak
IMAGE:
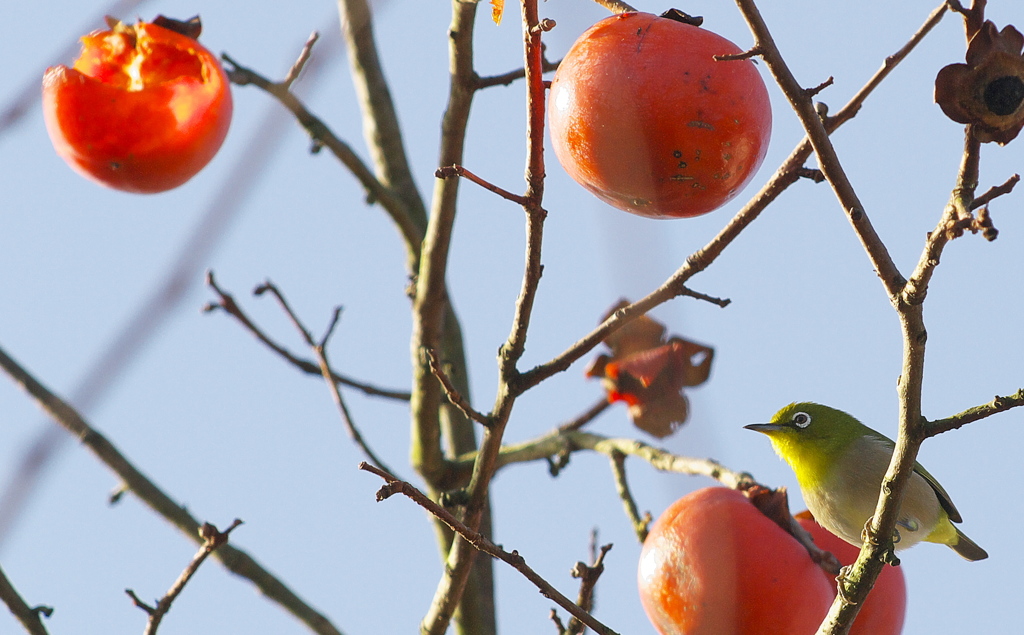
(765, 428)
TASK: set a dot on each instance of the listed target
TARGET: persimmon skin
(885, 609)
(143, 109)
(642, 116)
(713, 564)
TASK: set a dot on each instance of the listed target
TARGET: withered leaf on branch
(648, 373)
(987, 91)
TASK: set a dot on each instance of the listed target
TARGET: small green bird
(840, 462)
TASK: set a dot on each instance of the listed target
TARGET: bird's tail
(967, 548)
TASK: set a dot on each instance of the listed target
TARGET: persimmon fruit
(714, 564)
(643, 116)
(144, 108)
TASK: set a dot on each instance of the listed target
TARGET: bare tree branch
(555, 442)
(483, 544)
(588, 576)
(461, 556)
(641, 524)
(450, 171)
(995, 191)
(323, 136)
(212, 539)
(452, 392)
(615, 6)
(791, 170)
(320, 350)
(505, 79)
(977, 413)
(591, 413)
(28, 616)
(236, 560)
(226, 302)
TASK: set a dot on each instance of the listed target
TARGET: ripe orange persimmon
(644, 117)
(143, 109)
(713, 564)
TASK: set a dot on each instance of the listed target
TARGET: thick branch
(803, 105)
(430, 301)
(460, 557)
(380, 120)
(436, 328)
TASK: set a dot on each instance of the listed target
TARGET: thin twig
(30, 617)
(559, 626)
(588, 576)
(955, 219)
(346, 416)
(320, 351)
(453, 394)
(615, 6)
(226, 302)
(212, 539)
(995, 191)
(449, 171)
(977, 413)
(300, 62)
(483, 544)
(591, 413)
(323, 136)
(236, 560)
(690, 293)
(505, 79)
(640, 523)
(268, 287)
(737, 57)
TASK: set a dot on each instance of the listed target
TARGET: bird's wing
(944, 499)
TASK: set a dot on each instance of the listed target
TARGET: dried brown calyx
(988, 91)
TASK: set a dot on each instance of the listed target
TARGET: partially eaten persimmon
(144, 108)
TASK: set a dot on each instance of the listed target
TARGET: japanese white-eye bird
(840, 463)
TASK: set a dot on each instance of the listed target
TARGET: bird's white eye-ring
(801, 419)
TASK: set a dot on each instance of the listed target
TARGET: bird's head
(810, 436)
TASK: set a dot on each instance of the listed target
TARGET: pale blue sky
(231, 431)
